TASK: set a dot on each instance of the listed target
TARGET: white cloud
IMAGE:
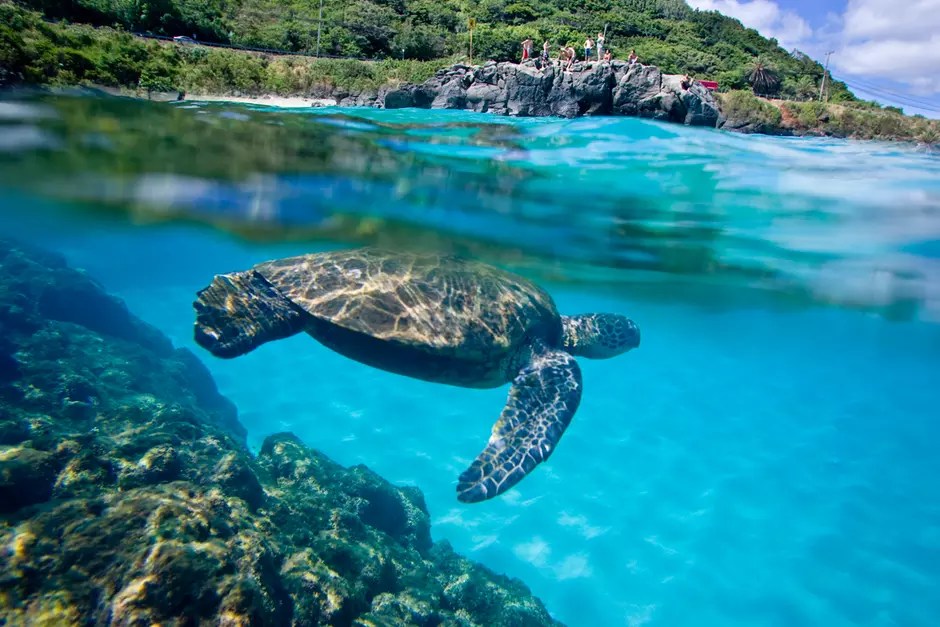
(903, 61)
(885, 19)
(764, 16)
(882, 40)
(875, 41)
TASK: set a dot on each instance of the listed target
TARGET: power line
(889, 90)
(901, 99)
(894, 98)
(869, 86)
(882, 92)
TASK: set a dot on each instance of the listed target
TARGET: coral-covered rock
(27, 476)
(13, 429)
(128, 496)
(236, 477)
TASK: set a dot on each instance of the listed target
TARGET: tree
(157, 76)
(418, 42)
(805, 88)
(373, 25)
(763, 78)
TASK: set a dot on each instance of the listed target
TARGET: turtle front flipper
(240, 311)
(543, 398)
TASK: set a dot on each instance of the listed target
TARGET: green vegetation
(749, 110)
(857, 120)
(39, 52)
(665, 33)
(763, 78)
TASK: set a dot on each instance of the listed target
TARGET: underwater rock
(39, 286)
(13, 429)
(399, 512)
(235, 476)
(26, 477)
(128, 495)
(9, 365)
(159, 464)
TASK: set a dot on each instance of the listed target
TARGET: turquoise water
(766, 457)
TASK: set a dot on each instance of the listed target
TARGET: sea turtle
(433, 317)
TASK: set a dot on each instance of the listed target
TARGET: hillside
(665, 33)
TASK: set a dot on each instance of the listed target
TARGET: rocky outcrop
(128, 496)
(525, 89)
(748, 123)
(749, 126)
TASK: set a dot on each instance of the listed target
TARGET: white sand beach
(288, 102)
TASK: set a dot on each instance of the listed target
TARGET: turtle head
(240, 311)
(599, 335)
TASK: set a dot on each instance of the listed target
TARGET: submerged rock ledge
(614, 88)
(128, 496)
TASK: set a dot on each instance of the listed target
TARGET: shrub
(809, 114)
(745, 109)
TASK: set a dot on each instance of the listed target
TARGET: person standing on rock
(572, 57)
(526, 49)
(600, 45)
(588, 49)
(545, 53)
(633, 58)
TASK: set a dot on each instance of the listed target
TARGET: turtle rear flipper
(542, 400)
(240, 311)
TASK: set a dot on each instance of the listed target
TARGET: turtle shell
(439, 304)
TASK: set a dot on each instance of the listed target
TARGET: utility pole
(822, 86)
(319, 25)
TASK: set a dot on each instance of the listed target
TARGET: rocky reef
(614, 88)
(128, 496)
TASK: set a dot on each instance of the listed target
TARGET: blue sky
(814, 11)
(885, 50)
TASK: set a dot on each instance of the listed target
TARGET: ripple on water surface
(606, 201)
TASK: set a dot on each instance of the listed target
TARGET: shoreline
(267, 100)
